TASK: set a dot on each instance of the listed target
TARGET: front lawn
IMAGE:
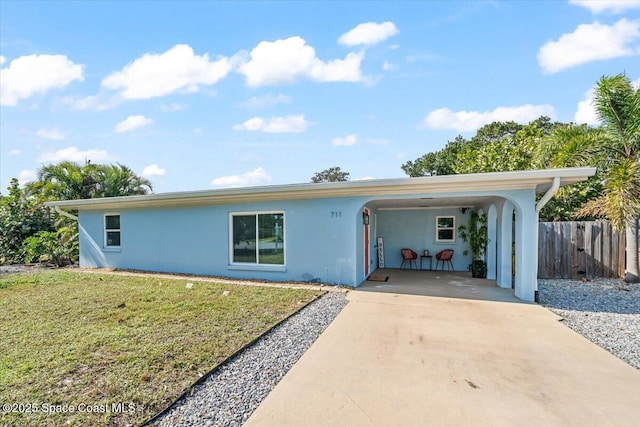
(101, 349)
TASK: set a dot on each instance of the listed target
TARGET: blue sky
(198, 95)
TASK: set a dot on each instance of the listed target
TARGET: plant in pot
(475, 232)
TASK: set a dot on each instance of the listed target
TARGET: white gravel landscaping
(605, 311)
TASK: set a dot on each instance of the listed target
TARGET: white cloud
(368, 33)
(93, 102)
(589, 42)
(288, 124)
(388, 66)
(345, 141)
(74, 155)
(613, 6)
(26, 176)
(15, 152)
(174, 106)
(153, 170)
(585, 111)
(265, 101)
(254, 177)
(636, 83)
(30, 75)
(2, 59)
(132, 122)
(466, 121)
(285, 61)
(179, 68)
(53, 134)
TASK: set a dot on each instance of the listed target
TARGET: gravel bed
(605, 311)
(22, 268)
(235, 390)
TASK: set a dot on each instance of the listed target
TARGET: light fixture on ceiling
(464, 210)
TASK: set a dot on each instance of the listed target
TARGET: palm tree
(66, 181)
(614, 149)
(119, 180)
(69, 180)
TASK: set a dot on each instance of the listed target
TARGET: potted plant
(475, 232)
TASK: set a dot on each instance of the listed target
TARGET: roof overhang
(538, 180)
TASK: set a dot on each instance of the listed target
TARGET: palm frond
(620, 203)
(618, 105)
(572, 146)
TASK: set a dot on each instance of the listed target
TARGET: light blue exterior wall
(416, 229)
(320, 240)
(324, 238)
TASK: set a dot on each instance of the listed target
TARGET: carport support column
(492, 233)
(505, 239)
(526, 249)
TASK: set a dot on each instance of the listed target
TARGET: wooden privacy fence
(576, 249)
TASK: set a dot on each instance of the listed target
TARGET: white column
(492, 219)
(526, 248)
(504, 241)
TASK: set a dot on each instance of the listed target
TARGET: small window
(445, 229)
(258, 238)
(112, 230)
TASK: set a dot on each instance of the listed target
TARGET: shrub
(58, 247)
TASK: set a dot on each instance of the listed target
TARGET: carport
(425, 213)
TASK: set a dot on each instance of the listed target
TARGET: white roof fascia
(538, 180)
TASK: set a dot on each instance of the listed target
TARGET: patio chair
(445, 256)
(409, 256)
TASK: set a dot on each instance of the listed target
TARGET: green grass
(73, 339)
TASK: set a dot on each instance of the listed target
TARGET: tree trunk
(631, 233)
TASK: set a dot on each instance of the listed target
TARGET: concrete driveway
(408, 360)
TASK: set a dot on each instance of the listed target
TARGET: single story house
(326, 232)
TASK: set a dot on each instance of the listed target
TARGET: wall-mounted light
(365, 218)
(464, 210)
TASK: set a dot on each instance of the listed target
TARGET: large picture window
(112, 230)
(258, 238)
(445, 229)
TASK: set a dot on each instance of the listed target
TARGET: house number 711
(336, 214)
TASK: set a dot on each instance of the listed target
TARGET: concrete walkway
(408, 360)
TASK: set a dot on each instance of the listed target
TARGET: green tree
(29, 231)
(69, 180)
(436, 163)
(614, 150)
(334, 174)
(499, 147)
(508, 146)
(22, 215)
(118, 180)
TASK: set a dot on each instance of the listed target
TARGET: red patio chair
(445, 256)
(408, 256)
